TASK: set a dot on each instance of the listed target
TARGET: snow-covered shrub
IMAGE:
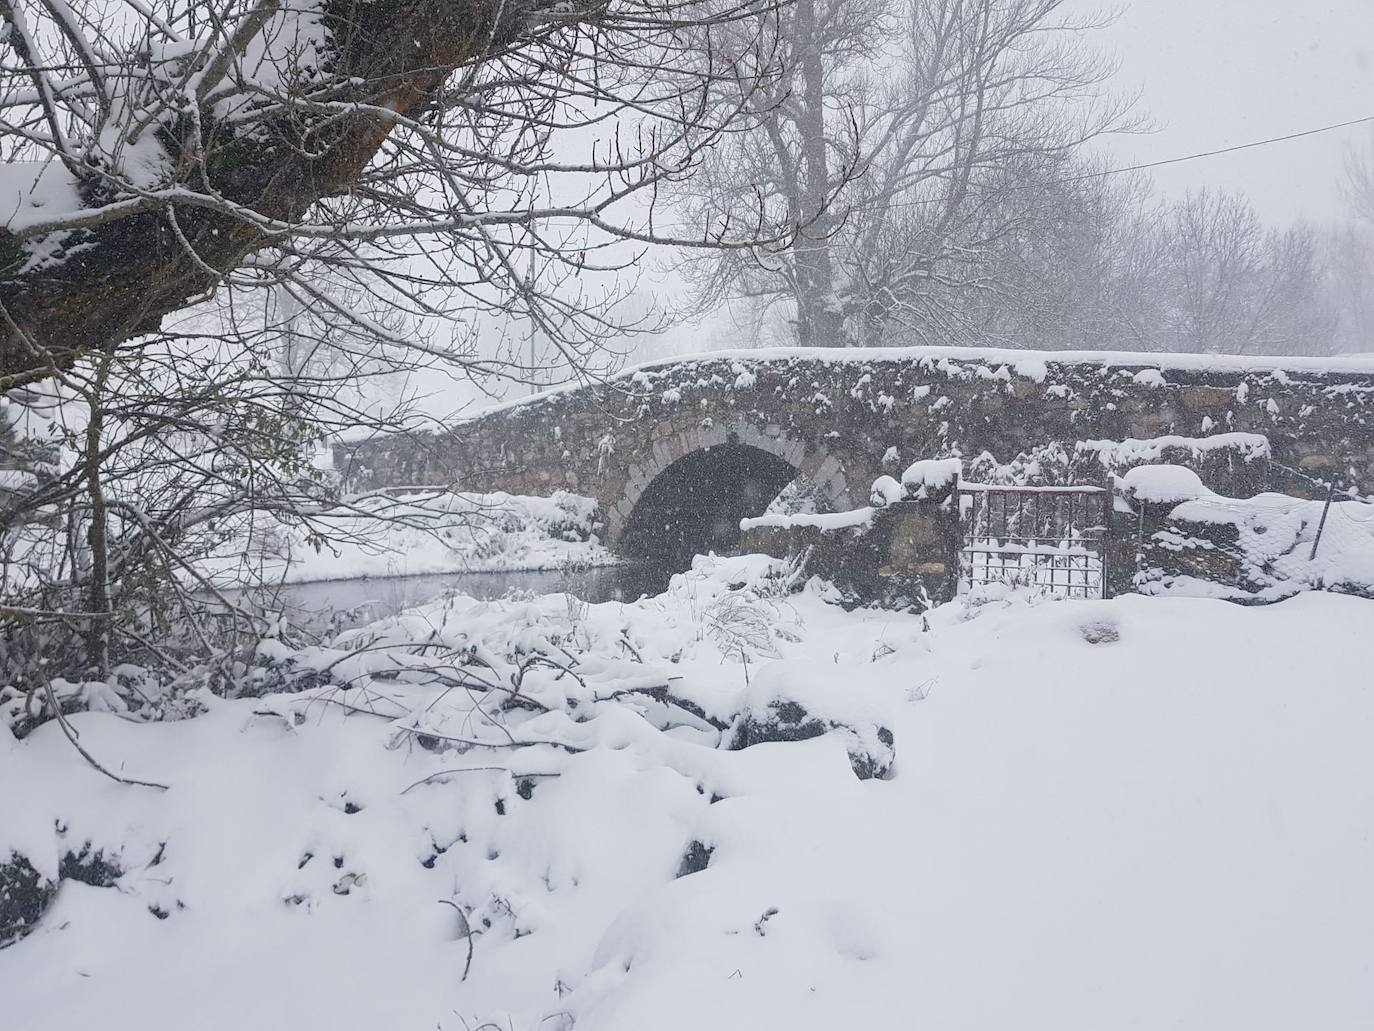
(519, 703)
(932, 479)
(24, 895)
(800, 497)
(1162, 484)
(100, 558)
(1039, 466)
(239, 648)
(131, 691)
(750, 617)
(1237, 460)
(886, 491)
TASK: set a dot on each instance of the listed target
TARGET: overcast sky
(1219, 72)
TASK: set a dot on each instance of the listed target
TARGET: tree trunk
(97, 531)
(819, 320)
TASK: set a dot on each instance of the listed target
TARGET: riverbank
(417, 533)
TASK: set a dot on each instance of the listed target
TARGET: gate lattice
(1052, 538)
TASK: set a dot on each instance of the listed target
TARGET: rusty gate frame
(1067, 524)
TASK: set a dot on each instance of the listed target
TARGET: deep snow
(1142, 813)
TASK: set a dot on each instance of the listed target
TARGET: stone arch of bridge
(689, 494)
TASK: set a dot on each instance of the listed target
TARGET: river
(348, 603)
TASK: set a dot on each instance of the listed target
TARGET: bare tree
(1231, 285)
(1057, 267)
(1094, 260)
(882, 144)
(1359, 182)
(167, 479)
(1349, 285)
(153, 154)
(1350, 255)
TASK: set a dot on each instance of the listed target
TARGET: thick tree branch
(111, 271)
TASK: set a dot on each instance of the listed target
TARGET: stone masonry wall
(844, 418)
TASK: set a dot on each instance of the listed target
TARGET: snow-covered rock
(794, 701)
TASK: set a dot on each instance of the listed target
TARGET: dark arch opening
(695, 505)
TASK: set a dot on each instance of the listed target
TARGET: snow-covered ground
(1142, 813)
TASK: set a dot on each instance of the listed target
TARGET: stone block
(1208, 400)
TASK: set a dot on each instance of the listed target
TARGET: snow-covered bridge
(677, 452)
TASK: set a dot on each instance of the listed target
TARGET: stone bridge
(677, 452)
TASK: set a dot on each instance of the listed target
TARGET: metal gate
(1050, 538)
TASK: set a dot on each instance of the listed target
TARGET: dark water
(347, 603)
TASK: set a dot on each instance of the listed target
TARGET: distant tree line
(931, 166)
(1127, 270)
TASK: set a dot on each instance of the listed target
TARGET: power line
(1103, 173)
(1223, 150)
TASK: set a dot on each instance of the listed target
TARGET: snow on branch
(144, 159)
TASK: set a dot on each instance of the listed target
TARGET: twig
(21, 612)
(72, 736)
(542, 660)
(476, 769)
(662, 693)
(465, 929)
(625, 643)
(474, 743)
(762, 922)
